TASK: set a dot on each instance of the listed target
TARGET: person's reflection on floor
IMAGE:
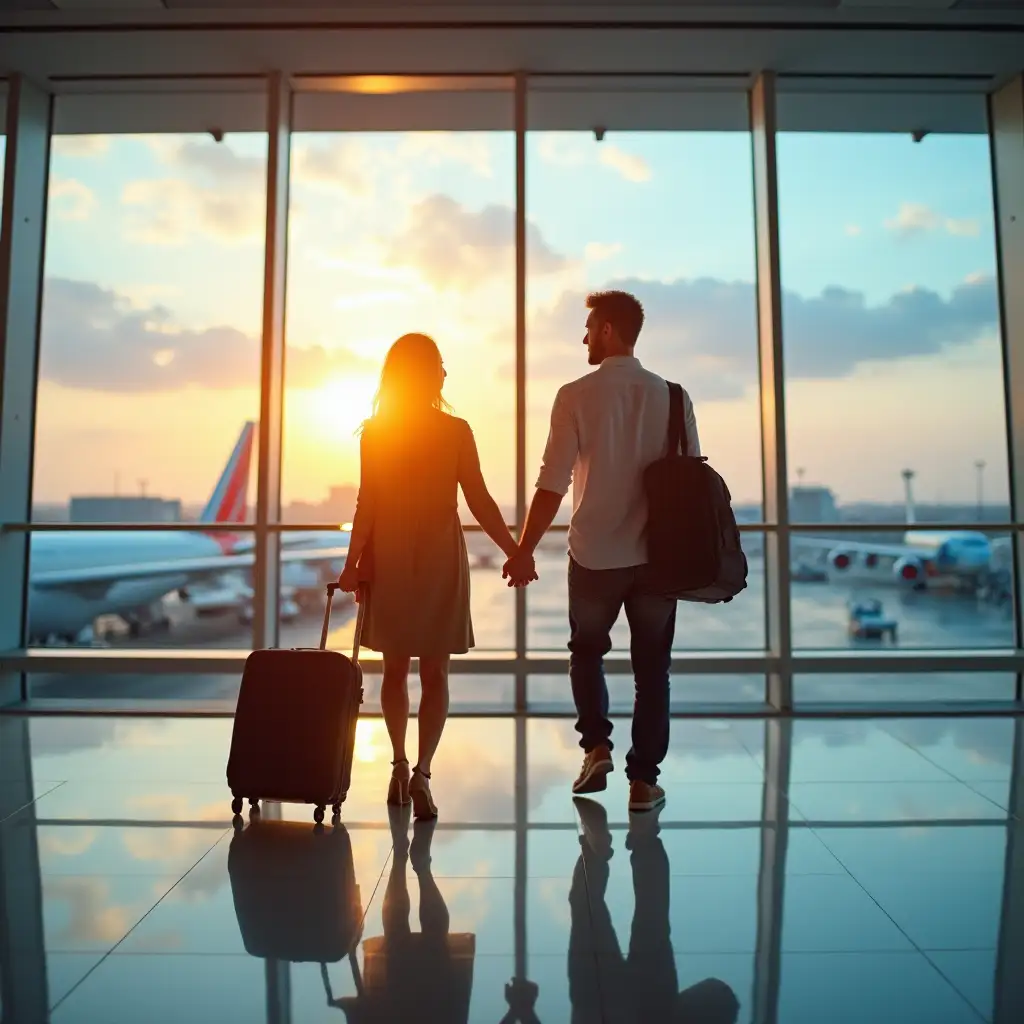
(413, 976)
(643, 987)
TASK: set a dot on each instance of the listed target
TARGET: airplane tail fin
(229, 501)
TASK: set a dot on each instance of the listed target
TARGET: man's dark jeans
(596, 596)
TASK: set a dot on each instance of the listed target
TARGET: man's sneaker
(644, 797)
(593, 775)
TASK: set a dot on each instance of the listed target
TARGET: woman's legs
(433, 707)
(394, 701)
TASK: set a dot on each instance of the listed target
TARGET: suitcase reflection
(297, 899)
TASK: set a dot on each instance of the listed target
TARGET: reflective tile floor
(819, 871)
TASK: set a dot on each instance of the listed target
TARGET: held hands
(520, 569)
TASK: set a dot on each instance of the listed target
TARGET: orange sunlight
(336, 408)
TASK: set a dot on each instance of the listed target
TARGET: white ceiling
(934, 61)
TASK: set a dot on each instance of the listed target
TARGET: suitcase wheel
(236, 805)
(318, 814)
(337, 807)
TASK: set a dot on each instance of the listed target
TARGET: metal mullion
(778, 630)
(869, 527)
(150, 527)
(520, 592)
(22, 253)
(267, 568)
(228, 660)
(1006, 135)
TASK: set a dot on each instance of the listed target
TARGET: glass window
(894, 381)
(881, 687)
(910, 589)
(552, 693)
(410, 229)
(148, 383)
(668, 216)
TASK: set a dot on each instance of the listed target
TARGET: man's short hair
(622, 310)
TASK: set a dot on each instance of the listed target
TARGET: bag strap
(677, 442)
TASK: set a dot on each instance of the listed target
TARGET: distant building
(98, 508)
(339, 507)
(812, 505)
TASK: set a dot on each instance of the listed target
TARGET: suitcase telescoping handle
(363, 597)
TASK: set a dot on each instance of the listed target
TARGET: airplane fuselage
(66, 611)
(925, 559)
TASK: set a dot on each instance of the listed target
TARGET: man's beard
(595, 353)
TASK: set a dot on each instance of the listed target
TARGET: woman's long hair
(410, 380)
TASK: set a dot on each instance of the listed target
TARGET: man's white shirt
(606, 429)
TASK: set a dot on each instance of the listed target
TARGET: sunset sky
(153, 295)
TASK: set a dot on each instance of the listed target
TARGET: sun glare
(371, 741)
(338, 406)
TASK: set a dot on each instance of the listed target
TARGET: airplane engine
(840, 560)
(910, 572)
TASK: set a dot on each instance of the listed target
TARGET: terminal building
(96, 508)
(218, 215)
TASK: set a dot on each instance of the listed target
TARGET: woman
(407, 544)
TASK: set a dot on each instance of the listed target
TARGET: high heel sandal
(398, 788)
(423, 806)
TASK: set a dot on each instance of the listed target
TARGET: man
(606, 428)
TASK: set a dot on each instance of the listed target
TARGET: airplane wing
(192, 568)
(853, 546)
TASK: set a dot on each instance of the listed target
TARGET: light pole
(979, 465)
(908, 495)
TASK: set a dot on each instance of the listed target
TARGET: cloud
(853, 230)
(341, 164)
(561, 149)
(629, 165)
(453, 247)
(597, 251)
(917, 219)
(77, 146)
(93, 338)
(469, 148)
(967, 226)
(705, 331)
(217, 192)
(71, 199)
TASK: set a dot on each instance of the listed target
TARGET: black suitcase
(295, 724)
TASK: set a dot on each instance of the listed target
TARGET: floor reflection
(406, 971)
(643, 985)
(800, 872)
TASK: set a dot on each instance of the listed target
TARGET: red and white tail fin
(229, 501)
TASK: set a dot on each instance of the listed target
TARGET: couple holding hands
(407, 542)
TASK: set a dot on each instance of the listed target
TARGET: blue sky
(154, 284)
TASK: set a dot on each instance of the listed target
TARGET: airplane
(76, 577)
(926, 559)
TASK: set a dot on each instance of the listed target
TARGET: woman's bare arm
(483, 507)
(366, 502)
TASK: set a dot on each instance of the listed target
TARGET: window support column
(22, 247)
(520, 592)
(778, 632)
(267, 568)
